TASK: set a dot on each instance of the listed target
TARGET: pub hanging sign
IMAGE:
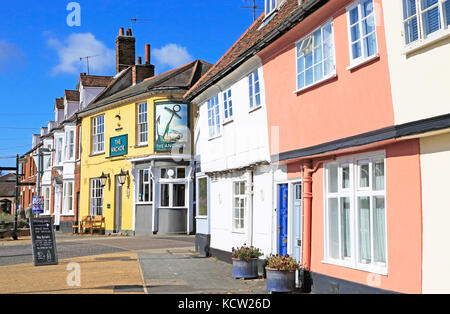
(118, 146)
(171, 126)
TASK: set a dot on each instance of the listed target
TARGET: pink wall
(352, 103)
(404, 223)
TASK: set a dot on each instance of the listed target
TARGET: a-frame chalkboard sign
(43, 242)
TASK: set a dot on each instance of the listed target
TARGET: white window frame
(171, 182)
(271, 6)
(252, 83)
(353, 192)
(68, 198)
(70, 145)
(98, 138)
(307, 42)
(227, 101)
(144, 183)
(142, 123)
(96, 197)
(47, 200)
(364, 54)
(423, 39)
(59, 150)
(214, 125)
(240, 197)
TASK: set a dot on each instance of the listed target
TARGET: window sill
(359, 64)
(214, 137)
(201, 217)
(369, 269)
(228, 121)
(254, 109)
(144, 203)
(424, 43)
(141, 145)
(97, 154)
(239, 231)
(324, 80)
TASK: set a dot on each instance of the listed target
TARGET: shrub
(245, 253)
(277, 262)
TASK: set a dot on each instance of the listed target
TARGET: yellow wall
(93, 166)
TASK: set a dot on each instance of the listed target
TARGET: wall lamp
(123, 176)
(104, 179)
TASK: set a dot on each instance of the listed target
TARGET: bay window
(355, 213)
(70, 145)
(315, 57)
(423, 18)
(173, 187)
(68, 198)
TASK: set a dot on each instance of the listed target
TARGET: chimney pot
(147, 54)
(129, 32)
(121, 31)
(139, 60)
(82, 74)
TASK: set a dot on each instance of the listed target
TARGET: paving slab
(182, 271)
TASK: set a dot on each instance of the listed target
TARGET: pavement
(119, 265)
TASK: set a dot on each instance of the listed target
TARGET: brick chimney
(143, 71)
(125, 50)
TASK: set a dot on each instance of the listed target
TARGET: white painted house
(234, 180)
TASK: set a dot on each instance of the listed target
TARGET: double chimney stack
(126, 57)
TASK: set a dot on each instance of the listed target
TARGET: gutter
(281, 29)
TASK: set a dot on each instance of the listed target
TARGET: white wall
(435, 171)
(420, 80)
(243, 141)
(87, 94)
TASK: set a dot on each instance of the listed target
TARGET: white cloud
(77, 46)
(172, 55)
(10, 56)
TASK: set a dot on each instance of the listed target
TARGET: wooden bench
(92, 223)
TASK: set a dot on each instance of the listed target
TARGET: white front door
(57, 212)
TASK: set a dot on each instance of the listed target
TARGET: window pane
(242, 188)
(332, 178)
(181, 173)
(368, 25)
(345, 227)
(354, 32)
(356, 50)
(179, 195)
(318, 72)
(333, 227)
(309, 77)
(447, 12)
(411, 30)
(364, 230)
(370, 45)
(327, 32)
(364, 175)
(300, 81)
(345, 177)
(378, 175)
(367, 8)
(354, 16)
(203, 197)
(308, 60)
(409, 8)
(431, 20)
(379, 232)
(317, 54)
(164, 195)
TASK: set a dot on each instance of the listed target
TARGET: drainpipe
(307, 180)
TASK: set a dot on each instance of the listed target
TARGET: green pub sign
(118, 146)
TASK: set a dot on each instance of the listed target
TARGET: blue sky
(39, 52)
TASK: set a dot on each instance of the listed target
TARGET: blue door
(283, 201)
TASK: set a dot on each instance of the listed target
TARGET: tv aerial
(87, 61)
(255, 8)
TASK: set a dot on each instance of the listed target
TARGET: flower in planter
(286, 263)
(245, 253)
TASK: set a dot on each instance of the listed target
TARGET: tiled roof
(59, 103)
(72, 95)
(257, 36)
(181, 78)
(95, 81)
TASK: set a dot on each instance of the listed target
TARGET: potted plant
(245, 262)
(280, 272)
